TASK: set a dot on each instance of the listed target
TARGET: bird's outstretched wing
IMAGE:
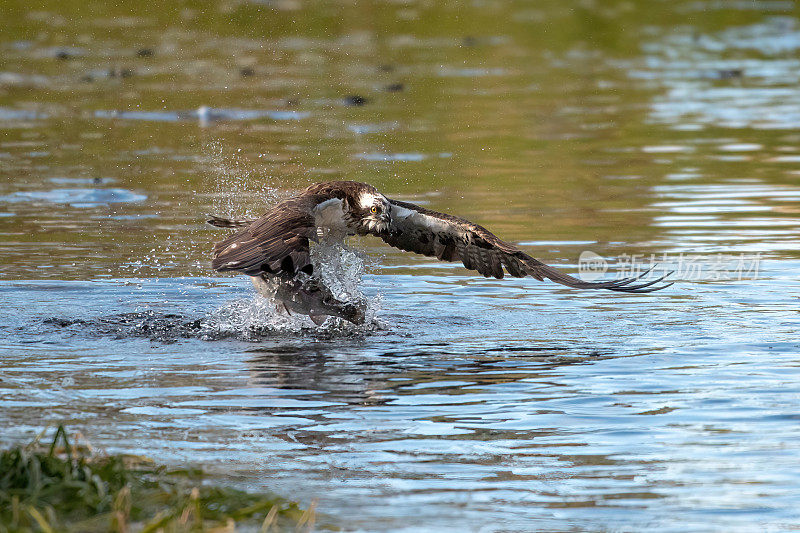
(276, 242)
(449, 238)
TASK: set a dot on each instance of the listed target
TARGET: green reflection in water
(535, 120)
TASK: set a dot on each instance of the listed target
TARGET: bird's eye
(374, 209)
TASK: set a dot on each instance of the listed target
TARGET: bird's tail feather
(229, 222)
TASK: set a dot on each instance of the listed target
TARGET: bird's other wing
(449, 238)
(276, 242)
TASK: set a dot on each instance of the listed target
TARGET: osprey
(275, 248)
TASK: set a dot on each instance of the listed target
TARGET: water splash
(341, 269)
(250, 319)
(238, 192)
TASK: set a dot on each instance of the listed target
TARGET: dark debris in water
(729, 74)
(394, 88)
(355, 100)
(173, 327)
(162, 327)
(66, 53)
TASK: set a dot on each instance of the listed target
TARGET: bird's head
(374, 210)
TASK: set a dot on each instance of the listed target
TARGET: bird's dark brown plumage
(278, 239)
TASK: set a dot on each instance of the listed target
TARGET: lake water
(642, 132)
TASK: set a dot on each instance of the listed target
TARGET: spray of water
(340, 267)
(238, 192)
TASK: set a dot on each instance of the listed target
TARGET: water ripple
(76, 197)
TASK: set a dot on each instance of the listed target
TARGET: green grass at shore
(66, 487)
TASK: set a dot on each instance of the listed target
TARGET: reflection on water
(714, 80)
(737, 217)
(203, 115)
(76, 197)
(649, 129)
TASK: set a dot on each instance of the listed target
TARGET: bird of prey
(275, 248)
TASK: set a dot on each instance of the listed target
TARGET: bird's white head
(375, 212)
